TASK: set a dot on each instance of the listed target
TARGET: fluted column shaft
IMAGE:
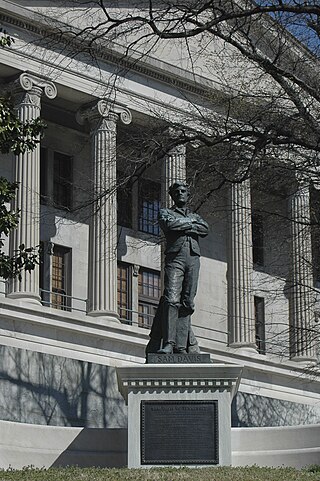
(27, 91)
(240, 268)
(302, 337)
(173, 170)
(102, 291)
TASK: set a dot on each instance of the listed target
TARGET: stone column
(102, 295)
(240, 268)
(27, 91)
(173, 170)
(301, 302)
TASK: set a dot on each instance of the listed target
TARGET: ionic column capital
(299, 203)
(27, 89)
(100, 110)
(177, 150)
(28, 82)
(302, 181)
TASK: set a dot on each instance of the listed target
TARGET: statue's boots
(167, 349)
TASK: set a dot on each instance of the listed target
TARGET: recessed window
(257, 239)
(124, 292)
(259, 310)
(149, 295)
(61, 272)
(56, 179)
(55, 276)
(124, 202)
(62, 180)
(149, 206)
(138, 204)
(44, 191)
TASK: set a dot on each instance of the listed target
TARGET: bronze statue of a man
(182, 230)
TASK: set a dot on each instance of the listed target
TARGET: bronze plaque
(179, 432)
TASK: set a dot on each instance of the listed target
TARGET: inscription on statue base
(177, 358)
(179, 432)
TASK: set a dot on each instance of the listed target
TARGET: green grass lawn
(163, 474)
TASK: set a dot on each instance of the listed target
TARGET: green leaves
(16, 136)
(22, 260)
(8, 218)
(5, 39)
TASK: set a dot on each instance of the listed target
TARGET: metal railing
(136, 318)
(131, 317)
(59, 300)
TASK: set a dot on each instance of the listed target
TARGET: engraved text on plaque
(179, 432)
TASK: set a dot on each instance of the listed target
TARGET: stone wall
(40, 388)
(250, 410)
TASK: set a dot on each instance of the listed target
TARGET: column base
(304, 360)
(243, 348)
(3, 287)
(105, 316)
(25, 298)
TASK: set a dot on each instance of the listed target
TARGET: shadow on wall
(250, 410)
(46, 446)
(96, 447)
(40, 388)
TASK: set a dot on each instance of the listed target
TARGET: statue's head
(179, 192)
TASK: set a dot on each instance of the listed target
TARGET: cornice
(110, 52)
(204, 384)
(208, 377)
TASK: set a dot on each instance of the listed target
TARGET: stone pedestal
(179, 414)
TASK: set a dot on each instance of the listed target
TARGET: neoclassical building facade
(87, 308)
